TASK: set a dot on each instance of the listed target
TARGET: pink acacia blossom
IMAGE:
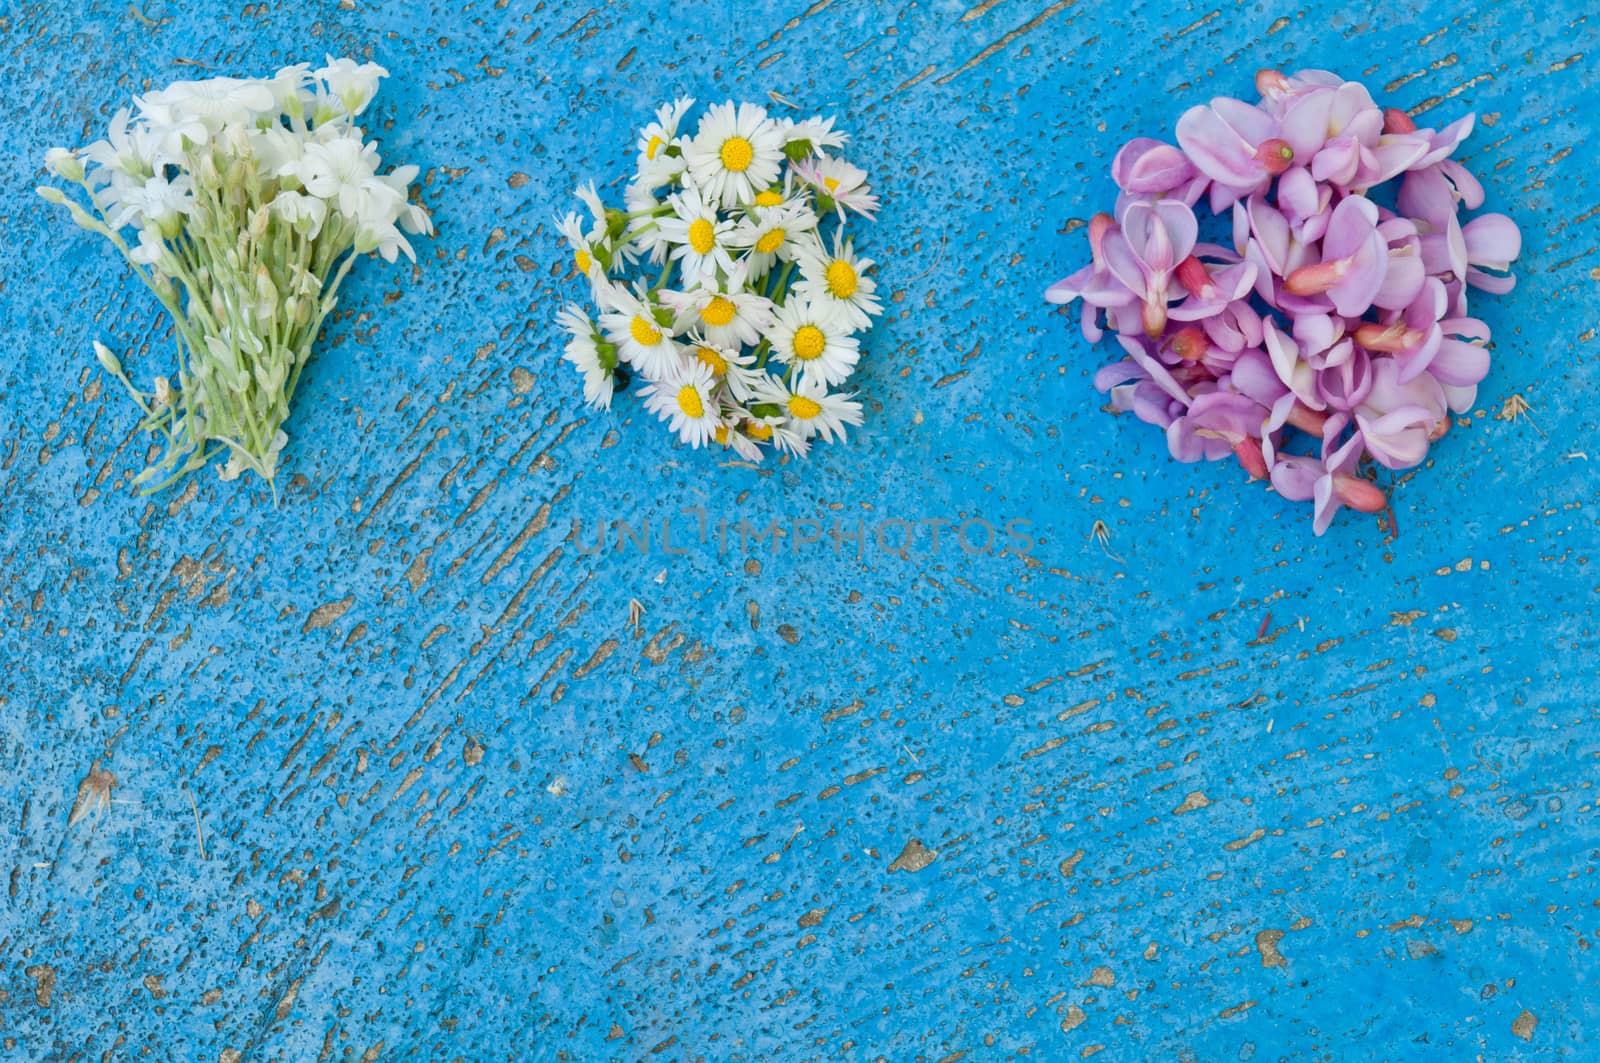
(1333, 337)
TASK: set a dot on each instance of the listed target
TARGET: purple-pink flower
(1330, 319)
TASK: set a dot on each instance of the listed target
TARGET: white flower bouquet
(242, 204)
(718, 286)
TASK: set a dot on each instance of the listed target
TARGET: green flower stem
(666, 274)
(779, 291)
(247, 292)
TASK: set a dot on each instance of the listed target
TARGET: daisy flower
(643, 340)
(838, 280)
(731, 437)
(772, 430)
(737, 152)
(778, 195)
(697, 234)
(732, 367)
(644, 229)
(813, 337)
(660, 151)
(810, 409)
(584, 245)
(592, 200)
(811, 136)
(685, 399)
(840, 182)
(590, 353)
(730, 316)
(774, 233)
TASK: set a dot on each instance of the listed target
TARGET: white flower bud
(83, 220)
(266, 295)
(163, 392)
(51, 194)
(206, 171)
(165, 290)
(64, 164)
(110, 361)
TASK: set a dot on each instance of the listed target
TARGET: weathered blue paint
(455, 796)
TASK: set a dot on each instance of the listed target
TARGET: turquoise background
(1209, 789)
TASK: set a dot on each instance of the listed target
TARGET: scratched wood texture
(399, 771)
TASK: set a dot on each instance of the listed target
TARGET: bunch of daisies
(241, 203)
(718, 286)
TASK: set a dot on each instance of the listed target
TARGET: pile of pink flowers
(1334, 330)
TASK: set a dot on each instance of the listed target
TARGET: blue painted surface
(456, 796)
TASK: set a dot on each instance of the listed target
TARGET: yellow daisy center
(584, 260)
(832, 183)
(689, 401)
(712, 358)
(645, 333)
(770, 242)
(769, 198)
(809, 342)
(721, 434)
(737, 154)
(842, 279)
(758, 430)
(804, 408)
(718, 312)
(654, 146)
(702, 237)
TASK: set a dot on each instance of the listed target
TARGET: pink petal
(1459, 364)
(1443, 143)
(1305, 124)
(1425, 195)
(1466, 185)
(1110, 376)
(1353, 295)
(1251, 123)
(1402, 281)
(1150, 167)
(1492, 240)
(1241, 227)
(1295, 476)
(1394, 154)
(1271, 231)
(1068, 288)
(1254, 376)
(1352, 113)
(1151, 406)
(1337, 162)
(1414, 363)
(1157, 372)
(1298, 193)
(1123, 263)
(1217, 150)
(1181, 226)
(1326, 505)
(1461, 399)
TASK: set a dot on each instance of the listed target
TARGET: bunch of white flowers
(717, 286)
(242, 204)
